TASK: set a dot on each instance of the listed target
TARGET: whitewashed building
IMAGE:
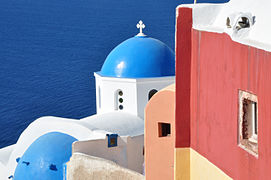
(131, 74)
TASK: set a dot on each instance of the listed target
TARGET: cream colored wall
(84, 167)
(182, 164)
(127, 154)
(190, 165)
(203, 169)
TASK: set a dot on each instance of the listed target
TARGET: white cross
(140, 26)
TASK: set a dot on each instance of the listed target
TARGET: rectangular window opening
(112, 140)
(164, 129)
(248, 122)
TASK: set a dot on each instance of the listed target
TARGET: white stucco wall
(212, 18)
(4, 158)
(135, 155)
(5, 153)
(135, 92)
(3, 172)
(107, 98)
(144, 86)
(128, 153)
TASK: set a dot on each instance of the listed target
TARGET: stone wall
(84, 167)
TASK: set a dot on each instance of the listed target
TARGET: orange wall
(159, 151)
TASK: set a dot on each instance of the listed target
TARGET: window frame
(248, 122)
(112, 140)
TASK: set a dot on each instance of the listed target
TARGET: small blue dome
(140, 57)
(45, 157)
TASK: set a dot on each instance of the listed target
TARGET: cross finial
(140, 26)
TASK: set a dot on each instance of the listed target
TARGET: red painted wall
(219, 67)
(183, 71)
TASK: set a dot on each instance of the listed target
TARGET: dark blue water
(50, 49)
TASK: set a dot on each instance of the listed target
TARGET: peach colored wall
(159, 151)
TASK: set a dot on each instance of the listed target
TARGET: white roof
(124, 124)
(90, 128)
(213, 17)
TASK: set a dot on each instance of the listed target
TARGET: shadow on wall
(128, 152)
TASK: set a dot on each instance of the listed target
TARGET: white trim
(133, 80)
(99, 97)
(212, 18)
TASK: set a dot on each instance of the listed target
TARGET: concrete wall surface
(84, 167)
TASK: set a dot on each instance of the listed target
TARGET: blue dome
(45, 157)
(140, 57)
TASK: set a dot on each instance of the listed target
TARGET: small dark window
(112, 140)
(118, 100)
(151, 93)
(163, 129)
(243, 22)
(53, 167)
(228, 22)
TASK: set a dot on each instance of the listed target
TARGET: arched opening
(152, 92)
(243, 22)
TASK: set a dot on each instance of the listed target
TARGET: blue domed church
(131, 74)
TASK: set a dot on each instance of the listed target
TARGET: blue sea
(50, 49)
